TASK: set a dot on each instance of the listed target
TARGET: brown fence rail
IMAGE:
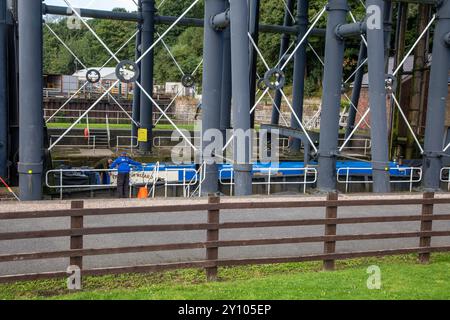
(213, 225)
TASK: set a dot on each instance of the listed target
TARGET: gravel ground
(120, 240)
(120, 203)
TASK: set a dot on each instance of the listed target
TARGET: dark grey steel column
(437, 96)
(136, 114)
(331, 102)
(212, 86)
(225, 106)
(147, 67)
(3, 92)
(283, 48)
(377, 101)
(299, 69)
(388, 12)
(356, 93)
(240, 62)
(31, 121)
(254, 7)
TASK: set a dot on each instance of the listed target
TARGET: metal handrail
(115, 116)
(61, 187)
(134, 143)
(90, 138)
(415, 176)
(157, 141)
(367, 144)
(155, 177)
(185, 183)
(307, 172)
(201, 172)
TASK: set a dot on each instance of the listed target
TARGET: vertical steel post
(377, 97)
(136, 90)
(387, 32)
(356, 93)
(437, 95)
(283, 48)
(212, 87)
(254, 7)
(31, 121)
(240, 62)
(3, 92)
(331, 102)
(147, 68)
(225, 105)
(299, 70)
(401, 25)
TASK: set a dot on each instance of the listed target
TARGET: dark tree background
(187, 43)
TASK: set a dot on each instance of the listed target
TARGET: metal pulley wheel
(127, 71)
(93, 76)
(275, 79)
(391, 83)
(188, 81)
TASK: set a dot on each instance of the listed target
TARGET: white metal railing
(58, 174)
(154, 178)
(273, 172)
(114, 116)
(135, 177)
(185, 182)
(414, 175)
(90, 142)
(366, 145)
(201, 173)
(164, 141)
(132, 145)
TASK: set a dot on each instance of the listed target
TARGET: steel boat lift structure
(231, 30)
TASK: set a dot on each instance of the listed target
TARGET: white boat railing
(148, 177)
(186, 183)
(413, 175)
(270, 173)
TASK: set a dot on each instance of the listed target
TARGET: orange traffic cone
(143, 193)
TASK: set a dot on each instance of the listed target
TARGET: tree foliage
(186, 44)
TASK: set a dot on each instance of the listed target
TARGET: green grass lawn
(402, 278)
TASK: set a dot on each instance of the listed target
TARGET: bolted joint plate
(220, 21)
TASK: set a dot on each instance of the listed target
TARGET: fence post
(330, 230)
(212, 234)
(76, 242)
(426, 226)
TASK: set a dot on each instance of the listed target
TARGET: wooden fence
(213, 226)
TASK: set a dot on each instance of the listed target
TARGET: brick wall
(405, 103)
